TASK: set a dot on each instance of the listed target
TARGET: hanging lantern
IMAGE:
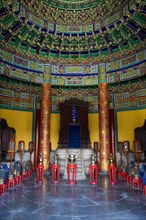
(126, 149)
(40, 169)
(137, 149)
(112, 170)
(71, 169)
(31, 149)
(126, 146)
(93, 170)
(11, 150)
(55, 168)
(11, 145)
(21, 148)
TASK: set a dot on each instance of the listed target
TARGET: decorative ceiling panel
(40, 31)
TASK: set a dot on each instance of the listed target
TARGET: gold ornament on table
(15, 172)
(111, 160)
(11, 176)
(93, 159)
(40, 158)
(71, 158)
(56, 159)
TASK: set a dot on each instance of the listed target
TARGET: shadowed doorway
(74, 132)
(74, 136)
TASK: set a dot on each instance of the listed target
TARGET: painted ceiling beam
(140, 19)
(9, 19)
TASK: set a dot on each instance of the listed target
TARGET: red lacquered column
(37, 136)
(112, 133)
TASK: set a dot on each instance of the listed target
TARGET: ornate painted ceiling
(67, 40)
(73, 31)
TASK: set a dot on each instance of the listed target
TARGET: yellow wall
(54, 128)
(127, 122)
(93, 120)
(22, 122)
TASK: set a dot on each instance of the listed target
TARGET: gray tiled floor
(30, 201)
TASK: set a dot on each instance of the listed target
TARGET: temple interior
(72, 109)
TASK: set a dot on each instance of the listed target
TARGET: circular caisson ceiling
(73, 31)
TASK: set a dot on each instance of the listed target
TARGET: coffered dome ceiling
(63, 42)
(73, 31)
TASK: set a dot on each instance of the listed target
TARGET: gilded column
(104, 138)
(45, 119)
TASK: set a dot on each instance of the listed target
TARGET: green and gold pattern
(65, 43)
(43, 30)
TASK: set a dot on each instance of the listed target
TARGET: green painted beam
(115, 35)
(64, 56)
(131, 41)
(121, 46)
(140, 19)
(94, 54)
(43, 53)
(7, 20)
(15, 41)
(1, 3)
(53, 55)
(105, 53)
(124, 31)
(84, 56)
(31, 36)
(26, 47)
(23, 31)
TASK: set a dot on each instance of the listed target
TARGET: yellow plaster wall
(93, 121)
(54, 130)
(22, 122)
(127, 121)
